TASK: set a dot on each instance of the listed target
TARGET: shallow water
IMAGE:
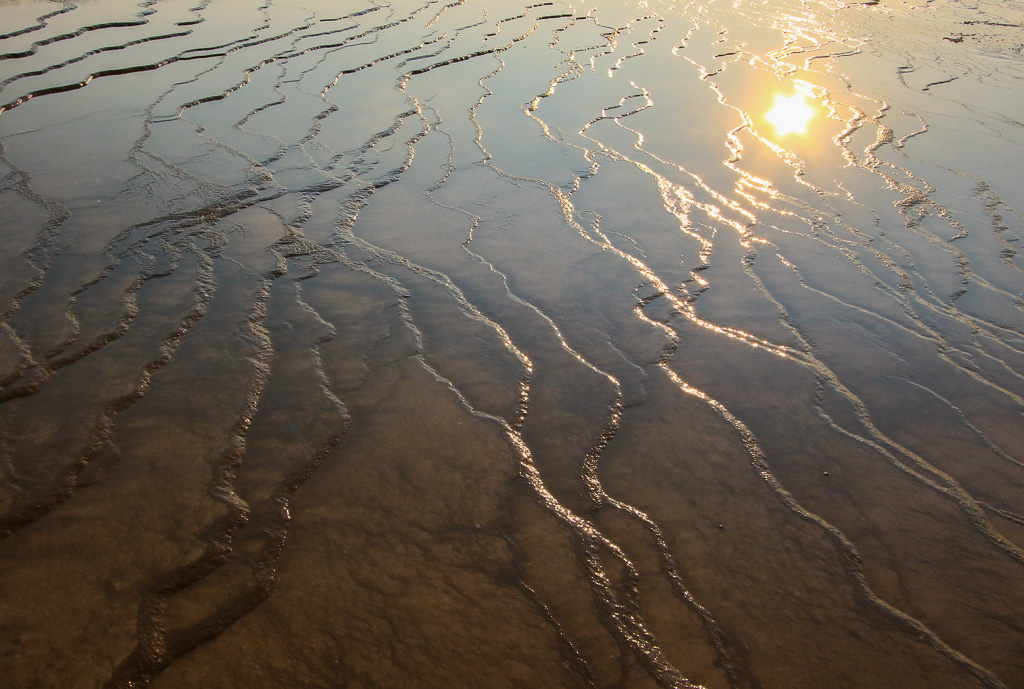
(486, 344)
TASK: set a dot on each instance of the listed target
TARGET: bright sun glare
(790, 114)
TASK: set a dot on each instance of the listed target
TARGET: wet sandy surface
(488, 344)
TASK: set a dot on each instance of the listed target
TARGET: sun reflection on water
(790, 114)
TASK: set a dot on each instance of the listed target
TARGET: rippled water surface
(487, 344)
